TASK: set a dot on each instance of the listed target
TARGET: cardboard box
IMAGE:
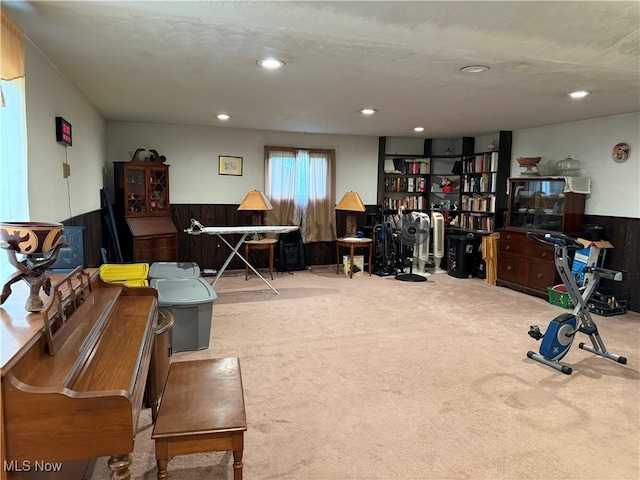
(358, 265)
(588, 257)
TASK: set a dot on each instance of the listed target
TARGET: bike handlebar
(555, 240)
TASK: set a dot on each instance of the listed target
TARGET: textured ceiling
(183, 62)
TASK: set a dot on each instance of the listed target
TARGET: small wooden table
(352, 244)
(262, 244)
(202, 410)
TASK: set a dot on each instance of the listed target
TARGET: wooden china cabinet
(146, 230)
(536, 204)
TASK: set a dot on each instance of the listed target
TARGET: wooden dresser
(524, 264)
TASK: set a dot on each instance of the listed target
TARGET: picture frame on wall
(229, 165)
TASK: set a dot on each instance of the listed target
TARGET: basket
(559, 296)
(608, 302)
(528, 161)
(132, 274)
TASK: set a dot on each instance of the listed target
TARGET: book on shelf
(410, 202)
(407, 166)
(477, 221)
(418, 166)
(494, 161)
(481, 163)
(479, 203)
(483, 183)
(389, 167)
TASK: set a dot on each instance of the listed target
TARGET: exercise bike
(558, 338)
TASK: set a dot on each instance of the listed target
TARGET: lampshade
(352, 202)
(255, 200)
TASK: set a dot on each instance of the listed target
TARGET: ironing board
(196, 228)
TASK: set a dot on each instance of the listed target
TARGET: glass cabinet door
(158, 190)
(537, 203)
(136, 191)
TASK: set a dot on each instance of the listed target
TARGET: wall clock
(620, 152)
(63, 132)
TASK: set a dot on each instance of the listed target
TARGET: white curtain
(14, 199)
(300, 184)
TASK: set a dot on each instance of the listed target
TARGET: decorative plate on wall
(620, 152)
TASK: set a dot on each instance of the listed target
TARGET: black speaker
(461, 255)
(290, 252)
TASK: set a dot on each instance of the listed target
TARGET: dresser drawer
(509, 268)
(541, 275)
(527, 249)
(159, 248)
(156, 242)
(156, 255)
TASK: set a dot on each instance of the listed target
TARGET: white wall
(192, 153)
(614, 186)
(51, 197)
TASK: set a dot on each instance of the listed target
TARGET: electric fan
(413, 233)
(437, 223)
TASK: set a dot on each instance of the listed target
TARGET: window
(300, 183)
(14, 204)
(14, 197)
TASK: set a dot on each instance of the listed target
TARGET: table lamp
(351, 202)
(257, 202)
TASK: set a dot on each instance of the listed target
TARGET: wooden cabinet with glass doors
(537, 204)
(146, 230)
(142, 188)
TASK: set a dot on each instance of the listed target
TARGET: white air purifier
(437, 223)
(421, 251)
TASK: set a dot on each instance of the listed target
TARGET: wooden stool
(202, 410)
(263, 244)
(352, 244)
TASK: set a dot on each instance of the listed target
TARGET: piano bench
(202, 410)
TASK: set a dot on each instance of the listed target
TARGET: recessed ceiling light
(271, 63)
(579, 94)
(418, 129)
(223, 116)
(474, 69)
(368, 111)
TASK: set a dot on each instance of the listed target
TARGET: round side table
(352, 244)
(262, 244)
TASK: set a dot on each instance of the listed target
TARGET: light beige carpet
(373, 378)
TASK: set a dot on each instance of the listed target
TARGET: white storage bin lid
(183, 291)
(174, 270)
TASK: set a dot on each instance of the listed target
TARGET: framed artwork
(229, 165)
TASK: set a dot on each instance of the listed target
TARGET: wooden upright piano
(74, 375)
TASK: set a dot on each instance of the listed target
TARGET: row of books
(410, 184)
(484, 183)
(479, 203)
(411, 202)
(487, 162)
(471, 221)
(407, 166)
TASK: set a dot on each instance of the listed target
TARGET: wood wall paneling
(624, 235)
(210, 252)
